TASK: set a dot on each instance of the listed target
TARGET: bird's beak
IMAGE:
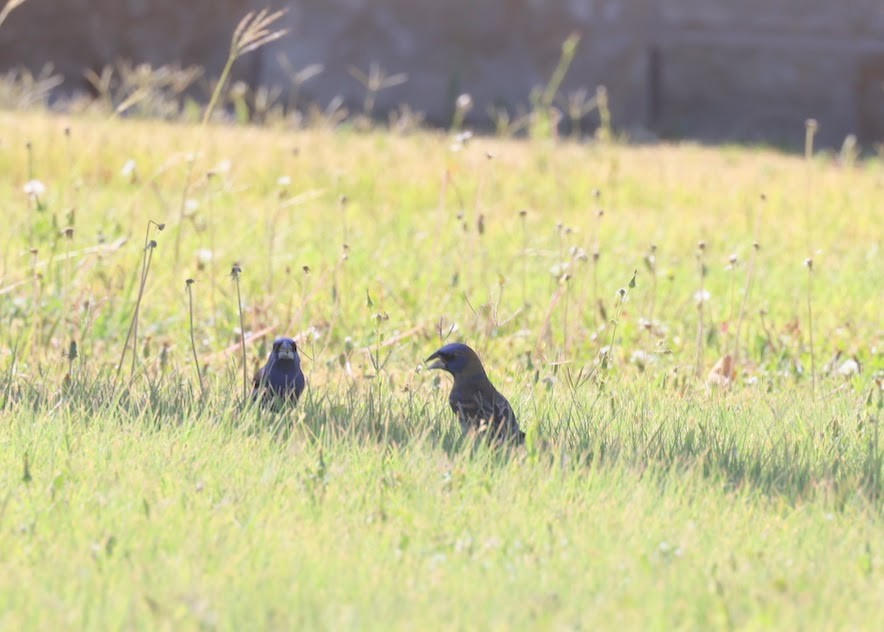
(286, 351)
(438, 364)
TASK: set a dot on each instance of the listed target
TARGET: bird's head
(458, 359)
(284, 349)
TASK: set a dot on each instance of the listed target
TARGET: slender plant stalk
(235, 273)
(8, 8)
(523, 215)
(196, 363)
(622, 293)
(750, 271)
(701, 303)
(182, 207)
(650, 261)
(596, 256)
(809, 264)
(149, 245)
(810, 128)
(146, 257)
(211, 213)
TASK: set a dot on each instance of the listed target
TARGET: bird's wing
(502, 421)
(300, 383)
(257, 382)
(482, 407)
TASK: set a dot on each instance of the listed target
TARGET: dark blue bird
(281, 377)
(479, 407)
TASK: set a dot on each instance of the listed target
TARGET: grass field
(650, 494)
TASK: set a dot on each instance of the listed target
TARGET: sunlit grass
(647, 497)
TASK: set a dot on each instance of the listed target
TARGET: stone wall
(713, 69)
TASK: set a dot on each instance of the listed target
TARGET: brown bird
(479, 407)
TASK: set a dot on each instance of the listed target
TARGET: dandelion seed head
(128, 169)
(702, 296)
(34, 188)
(464, 102)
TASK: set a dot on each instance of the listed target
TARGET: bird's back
(481, 408)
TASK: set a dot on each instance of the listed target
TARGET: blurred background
(714, 70)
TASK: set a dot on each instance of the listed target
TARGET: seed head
(34, 188)
(464, 102)
(809, 263)
(129, 169)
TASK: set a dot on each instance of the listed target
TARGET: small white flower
(204, 255)
(34, 188)
(558, 270)
(702, 296)
(464, 102)
(461, 140)
(223, 166)
(190, 205)
(128, 169)
(641, 358)
(284, 181)
(848, 368)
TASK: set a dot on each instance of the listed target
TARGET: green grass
(646, 498)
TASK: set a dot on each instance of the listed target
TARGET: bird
(479, 407)
(281, 378)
